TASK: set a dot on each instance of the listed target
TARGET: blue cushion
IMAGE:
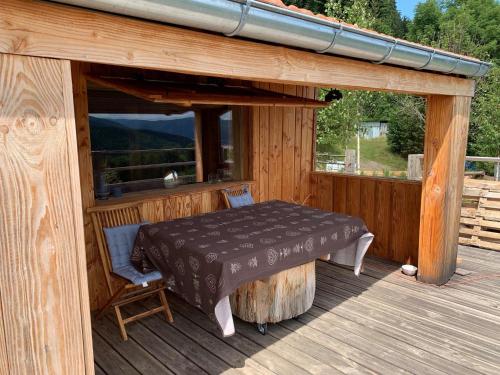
(137, 278)
(120, 242)
(244, 199)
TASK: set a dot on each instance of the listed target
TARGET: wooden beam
(447, 124)
(188, 95)
(45, 316)
(198, 148)
(29, 27)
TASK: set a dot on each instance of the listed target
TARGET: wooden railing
(415, 163)
(390, 208)
(480, 217)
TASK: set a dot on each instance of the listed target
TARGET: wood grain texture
(447, 124)
(279, 297)
(380, 322)
(390, 209)
(281, 159)
(44, 301)
(79, 224)
(28, 28)
(198, 146)
(80, 98)
(480, 214)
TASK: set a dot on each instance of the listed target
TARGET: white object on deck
(409, 270)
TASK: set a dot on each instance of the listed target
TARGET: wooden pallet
(480, 217)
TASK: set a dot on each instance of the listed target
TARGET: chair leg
(166, 307)
(113, 298)
(121, 324)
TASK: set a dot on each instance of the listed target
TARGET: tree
(484, 135)
(338, 123)
(387, 19)
(426, 25)
(405, 133)
(469, 27)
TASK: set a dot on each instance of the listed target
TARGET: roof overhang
(44, 29)
(263, 21)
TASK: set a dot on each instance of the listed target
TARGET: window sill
(146, 195)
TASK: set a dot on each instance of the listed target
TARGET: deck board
(381, 322)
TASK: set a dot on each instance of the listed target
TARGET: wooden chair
(106, 217)
(242, 192)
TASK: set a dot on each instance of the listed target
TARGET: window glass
(136, 151)
(227, 142)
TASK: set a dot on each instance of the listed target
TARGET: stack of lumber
(480, 218)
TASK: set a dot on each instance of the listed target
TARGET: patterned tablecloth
(205, 258)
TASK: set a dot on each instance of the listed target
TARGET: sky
(407, 7)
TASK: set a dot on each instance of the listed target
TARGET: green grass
(377, 150)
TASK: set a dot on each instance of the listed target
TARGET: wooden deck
(381, 323)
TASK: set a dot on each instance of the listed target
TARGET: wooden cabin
(60, 63)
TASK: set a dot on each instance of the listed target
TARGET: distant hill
(118, 134)
(175, 126)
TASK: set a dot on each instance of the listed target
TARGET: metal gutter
(269, 23)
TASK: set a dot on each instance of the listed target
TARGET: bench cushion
(135, 277)
(244, 199)
(120, 242)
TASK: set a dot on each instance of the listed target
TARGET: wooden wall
(389, 207)
(44, 311)
(281, 141)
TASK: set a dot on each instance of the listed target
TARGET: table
(206, 258)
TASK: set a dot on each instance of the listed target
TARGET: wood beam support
(198, 146)
(28, 27)
(45, 315)
(447, 124)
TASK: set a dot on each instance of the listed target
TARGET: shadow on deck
(382, 322)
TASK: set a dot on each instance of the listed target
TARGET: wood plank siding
(282, 145)
(389, 207)
(380, 323)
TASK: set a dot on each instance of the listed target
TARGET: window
(136, 151)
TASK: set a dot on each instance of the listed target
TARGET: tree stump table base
(282, 296)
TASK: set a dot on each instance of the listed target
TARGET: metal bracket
(332, 44)
(388, 54)
(478, 70)
(243, 18)
(428, 61)
(456, 65)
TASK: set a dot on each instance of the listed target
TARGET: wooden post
(350, 161)
(45, 316)
(415, 166)
(198, 151)
(447, 123)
